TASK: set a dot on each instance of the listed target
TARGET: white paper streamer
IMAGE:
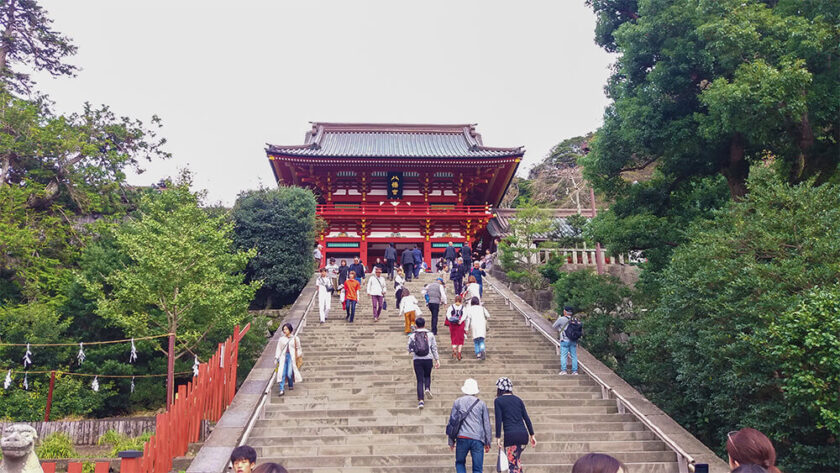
(132, 384)
(81, 356)
(133, 357)
(195, 366)
(27, 357)
(8, 381)
(95, 384)
(26, 381)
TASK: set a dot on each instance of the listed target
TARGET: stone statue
(18, 446)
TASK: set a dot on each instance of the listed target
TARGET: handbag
(384, 304)
(502, 461)
(299, 361)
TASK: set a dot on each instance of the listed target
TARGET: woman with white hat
(470, 421)
(511, 414)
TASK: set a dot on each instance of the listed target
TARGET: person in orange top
(351, 296)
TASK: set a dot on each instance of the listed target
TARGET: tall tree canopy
(700, 89)
(182, 276)
(280, 224)
(745, 330)
(27, 41)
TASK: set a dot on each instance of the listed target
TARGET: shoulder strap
(470, 408)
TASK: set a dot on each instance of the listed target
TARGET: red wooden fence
(204, 398)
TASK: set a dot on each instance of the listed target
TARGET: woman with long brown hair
(598, 463)
(750, 447)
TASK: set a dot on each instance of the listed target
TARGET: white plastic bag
(502, 462)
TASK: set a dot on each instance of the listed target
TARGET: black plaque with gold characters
(395, 182)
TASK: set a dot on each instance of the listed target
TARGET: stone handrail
(685, 460)
(585, 256)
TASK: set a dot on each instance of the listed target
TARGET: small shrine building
(391, 183)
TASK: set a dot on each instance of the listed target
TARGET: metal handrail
(266, 394)
(684, 458)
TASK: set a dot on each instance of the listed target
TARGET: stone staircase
(356, 410)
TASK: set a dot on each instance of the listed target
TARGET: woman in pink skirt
(455, 318)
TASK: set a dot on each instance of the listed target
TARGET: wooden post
(599, 261)
(170, 371)
(130, 461)
(49, 397)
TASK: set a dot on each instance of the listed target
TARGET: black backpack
(455, 318)
(574, 330)
(421, 343)
(456, 420)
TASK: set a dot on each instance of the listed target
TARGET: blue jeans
(481, 289)
(476, 450)
(351, 309)
(286, 372)
(479, 345)
(566, 348)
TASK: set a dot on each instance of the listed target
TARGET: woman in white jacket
(287, 366)
(477, 317)
(472, 291)
(409, 308)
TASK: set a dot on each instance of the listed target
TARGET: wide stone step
(272, 428)
(630, 437)
(648, 467)
(363, 402)
(443, 458)
(424, 445)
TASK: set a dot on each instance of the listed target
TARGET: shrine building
(404, 184)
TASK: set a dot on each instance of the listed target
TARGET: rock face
(18, 446)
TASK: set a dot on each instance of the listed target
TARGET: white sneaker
(563, 373)
(429, 393)
(574, 373)
(420, 405)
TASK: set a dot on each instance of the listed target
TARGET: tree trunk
(737, 169)
(5, 166)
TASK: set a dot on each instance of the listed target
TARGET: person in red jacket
(351, 296)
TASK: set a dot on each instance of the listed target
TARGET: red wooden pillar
(427, 252)
(363, 252)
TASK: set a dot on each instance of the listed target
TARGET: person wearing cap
(567, 347)
(475, 430)
(437, 296)
(511, 415)
(423, 363)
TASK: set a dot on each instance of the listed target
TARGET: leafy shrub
(120, 442)
(56, 445)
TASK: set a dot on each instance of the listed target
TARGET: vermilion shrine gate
(403, 184)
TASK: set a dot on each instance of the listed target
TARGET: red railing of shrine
(204, 398)
(402, 209)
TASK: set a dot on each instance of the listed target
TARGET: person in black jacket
(390, 260)
(449, 254)
(359, 268)
(510, 412)
(466, 255)
(343, 270)
(456, 275)
(407, 261)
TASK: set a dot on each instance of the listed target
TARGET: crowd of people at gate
(469, 429)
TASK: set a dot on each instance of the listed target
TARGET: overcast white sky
(228, 77)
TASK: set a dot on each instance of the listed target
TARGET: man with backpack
(423, 346)
(469, 429)
(569, 332)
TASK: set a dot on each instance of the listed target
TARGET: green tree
(705, 353)
(182, 276)
(700, 90)
(519, 250)
(600, 302)
(28, 40)
(280, 224)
